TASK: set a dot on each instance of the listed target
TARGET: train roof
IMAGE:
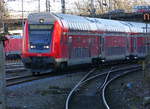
(34, 18)
(135, 26)
(74, 22)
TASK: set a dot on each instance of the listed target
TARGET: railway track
(13, 64)
(22, 79)
(110, 75)
(104, 95)
(19, 79)
(26, 78)
(13, 67)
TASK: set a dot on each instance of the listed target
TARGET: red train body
(13, 47)
(59, 40)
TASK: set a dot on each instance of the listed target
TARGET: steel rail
(14, 69)
(22, 79)
(13, 66)
(18, 80)
(13, 63)
(113, 71)
(26, 78)
(112, 79)
(84, 80)
(71, 92)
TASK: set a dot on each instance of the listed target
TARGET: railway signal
(146, 17)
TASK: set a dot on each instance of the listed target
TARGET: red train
(13, 47)
(60, 40)
(141, 9)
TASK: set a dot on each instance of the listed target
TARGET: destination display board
(40, 26)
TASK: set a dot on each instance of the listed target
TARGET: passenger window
(135, 41)
(70, 39)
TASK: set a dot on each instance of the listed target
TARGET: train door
(147, 40)
(135, 46)
(141, 48)
(70, 47)
(102, 49)
(128, 46)
(144, 45)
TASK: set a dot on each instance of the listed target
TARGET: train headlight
(46, 46)
(41, 20)
(32, 46)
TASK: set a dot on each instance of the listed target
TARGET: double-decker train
(141, 9)
(60, 40)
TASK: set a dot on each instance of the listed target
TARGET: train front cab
(39, 43)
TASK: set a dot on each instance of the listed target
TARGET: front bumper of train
(38, 62)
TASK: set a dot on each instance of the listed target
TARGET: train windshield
(40, 36)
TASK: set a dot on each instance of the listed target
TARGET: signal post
(2, 75)
(145, 64)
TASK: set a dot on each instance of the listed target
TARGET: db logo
(39, 55)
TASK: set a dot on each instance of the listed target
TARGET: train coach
(54, 41)
(13, 47)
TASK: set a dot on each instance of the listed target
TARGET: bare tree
(3, 11)
(83, 8)
(103, 6)
(1, 15)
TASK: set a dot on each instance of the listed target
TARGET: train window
(127, 43)
(93, 40)
(70, 39)
(79, 39)
(90, 40)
